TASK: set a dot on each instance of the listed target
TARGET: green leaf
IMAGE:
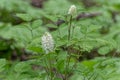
(2, 64)
(35, 49)
(36, 23)
(104, 50)
(83, 29)
(89, 64)
(25, 17)
(22, 67)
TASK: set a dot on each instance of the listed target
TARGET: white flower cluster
(72, 10)
(47, 42)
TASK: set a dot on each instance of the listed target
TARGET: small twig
(87, 15)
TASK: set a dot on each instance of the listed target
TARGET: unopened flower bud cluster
(72, 10)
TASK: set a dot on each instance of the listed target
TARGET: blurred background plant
(94, 47)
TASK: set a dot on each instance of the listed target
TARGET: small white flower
(72, 10)
(47, 42)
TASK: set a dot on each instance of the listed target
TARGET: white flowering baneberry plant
(63, 40)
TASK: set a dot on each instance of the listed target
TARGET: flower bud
(72, 10)
(47, 42)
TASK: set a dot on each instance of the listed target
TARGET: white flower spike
(47, 42)
(72, 10)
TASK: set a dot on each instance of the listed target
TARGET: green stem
(69, 57)
(50, 66)
(46, 68)
(69, 29)
(59, 32)
(31, 33)
(67, 67)
(73, 31)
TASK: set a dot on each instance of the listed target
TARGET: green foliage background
(94, 45)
